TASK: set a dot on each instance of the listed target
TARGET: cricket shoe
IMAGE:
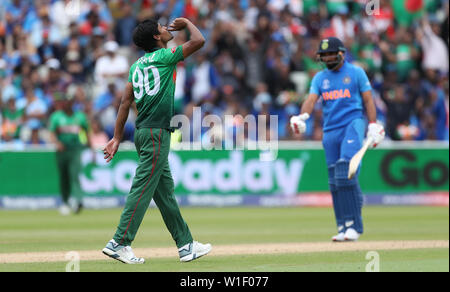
(351, 235)
(77, 209)
(121, 253)
(75, 205)
(193, 250)
(339, 237)
(64, 210)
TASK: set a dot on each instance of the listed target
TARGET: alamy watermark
(374, 261)
(74, 261)
(228, 132)
(373, 7)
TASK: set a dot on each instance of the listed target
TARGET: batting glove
(376, 132)
(298, 124)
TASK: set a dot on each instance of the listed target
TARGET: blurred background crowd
(259, 59)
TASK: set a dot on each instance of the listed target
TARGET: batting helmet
(331, 45)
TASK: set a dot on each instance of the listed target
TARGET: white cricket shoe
(121, 253)
(351, 235)
(193, 250)
(339, 237)
(64, 210)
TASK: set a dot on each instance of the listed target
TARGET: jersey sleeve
(172, 56)
(315, 86)
(363, 81)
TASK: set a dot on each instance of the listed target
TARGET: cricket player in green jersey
(66, 126)
(151, 84)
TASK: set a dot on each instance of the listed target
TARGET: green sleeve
(172, 55)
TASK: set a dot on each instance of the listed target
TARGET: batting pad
(349, 195)
(337, 203)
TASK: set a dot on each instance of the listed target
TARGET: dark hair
(143, 35)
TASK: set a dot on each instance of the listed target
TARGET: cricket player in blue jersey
(347, 101)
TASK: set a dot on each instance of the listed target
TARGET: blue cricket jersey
(341, 94)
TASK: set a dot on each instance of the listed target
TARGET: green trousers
(69, 168)
(153, 180)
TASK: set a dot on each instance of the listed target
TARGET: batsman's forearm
(371, 114)
(308, 105)
(371, 110)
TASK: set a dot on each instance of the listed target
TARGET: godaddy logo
(233, 173)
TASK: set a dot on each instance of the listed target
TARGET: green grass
(46, 230)
(415, 260)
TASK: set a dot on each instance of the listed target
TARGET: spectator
(63, 13)
(404, 52)
(93, 20)
(253, 64)
(35, 111)
(112, 67)
(12, 120)
(399, 111)
(433, 46)
(35, 138)
(94, 48)
(44, 27)
(343, 25)
(440, 114)
(73, 61)
(57, 80)
(445, 24)
(106, 99)
(16, 11)
(124, 25)
(335, 6)
(48, 50)
(262, 101)
(204, 78)
(108, 118)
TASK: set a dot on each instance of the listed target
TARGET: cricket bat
(356, 159)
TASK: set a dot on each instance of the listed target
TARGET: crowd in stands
(259, 59)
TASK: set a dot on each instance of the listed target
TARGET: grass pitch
(47, 231)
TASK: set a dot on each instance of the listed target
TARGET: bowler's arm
(196, 40)
(122, 116)
(124, 109)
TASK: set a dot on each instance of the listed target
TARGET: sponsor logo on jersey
(336, 94)
(326, 84)
(347, 80)
(69, 129)
(173, 50)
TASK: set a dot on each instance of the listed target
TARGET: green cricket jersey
(153, 77)
(68, 128)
